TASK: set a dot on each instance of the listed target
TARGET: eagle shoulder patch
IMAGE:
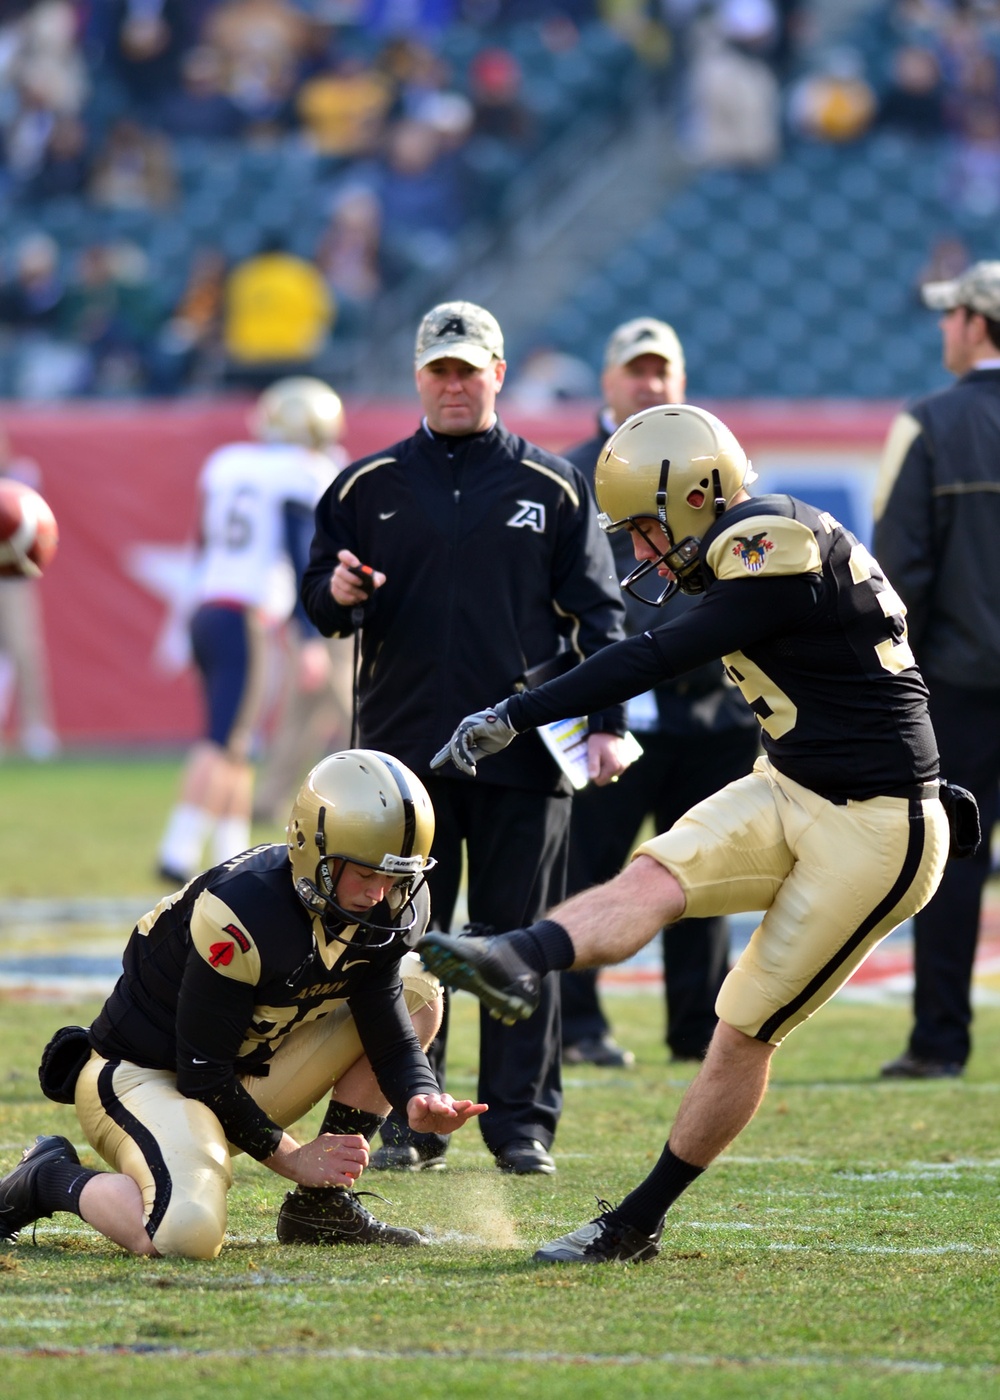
(752, 550)
(764, 545)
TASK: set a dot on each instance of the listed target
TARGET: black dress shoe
(406, 1157)
(598, 1050)
(909, 1066)
(525, 1157)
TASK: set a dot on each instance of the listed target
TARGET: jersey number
(893, 652)
(775, 712)
(239, 521)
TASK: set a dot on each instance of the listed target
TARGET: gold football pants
(832, 881)
(175, 1148)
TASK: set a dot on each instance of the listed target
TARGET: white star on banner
(168, 571)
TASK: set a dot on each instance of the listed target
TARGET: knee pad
(190, 1230)
(420, 987)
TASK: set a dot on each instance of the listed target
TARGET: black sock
(59, 1184)
(646, 1207)
(342, 1119)
(545, 946)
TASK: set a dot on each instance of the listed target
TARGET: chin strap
(720, 501)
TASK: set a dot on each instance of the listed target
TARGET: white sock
(230, 837)
(184, 838)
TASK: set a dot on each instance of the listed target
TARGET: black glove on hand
(485, 732)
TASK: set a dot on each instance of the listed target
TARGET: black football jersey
(219, 974)
(812, 634)
(839, 698)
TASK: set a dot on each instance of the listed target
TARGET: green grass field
(846, 1246)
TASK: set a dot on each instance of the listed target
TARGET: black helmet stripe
(661, 492)
(409, 810)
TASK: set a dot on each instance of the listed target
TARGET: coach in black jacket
(937, 525)
(486, 561)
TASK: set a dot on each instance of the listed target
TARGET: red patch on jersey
(240, 937)
(220, 954)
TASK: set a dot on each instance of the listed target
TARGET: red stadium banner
(121, 480)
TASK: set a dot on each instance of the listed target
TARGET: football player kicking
(838, 834)
(245, 998)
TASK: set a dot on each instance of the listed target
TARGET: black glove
(485, 732)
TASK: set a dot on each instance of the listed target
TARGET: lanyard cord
(357, 616)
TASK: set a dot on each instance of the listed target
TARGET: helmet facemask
(685, 494)
(319, 895)
(683, 559)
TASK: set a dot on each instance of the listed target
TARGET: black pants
(516, 844)
(673, 774)
(945, 933)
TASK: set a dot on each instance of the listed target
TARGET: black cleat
(19, 1188)
(604, 1240)
(334, 1215)
(487, 967)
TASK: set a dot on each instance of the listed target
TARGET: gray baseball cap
(461, 330)
(643, 336)
(978, 287)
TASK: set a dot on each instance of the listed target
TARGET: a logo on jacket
(530, 516)
(752, 551)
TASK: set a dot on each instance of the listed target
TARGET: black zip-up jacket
(494, 563)
(936, 533)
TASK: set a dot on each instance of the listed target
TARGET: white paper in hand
(566, 741)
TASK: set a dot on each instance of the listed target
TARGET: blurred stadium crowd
(201, 193)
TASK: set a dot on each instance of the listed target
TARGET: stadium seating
(798, 280)
(232, 194)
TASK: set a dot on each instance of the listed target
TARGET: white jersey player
(257, 502)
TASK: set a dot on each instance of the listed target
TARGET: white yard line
(611, 1361)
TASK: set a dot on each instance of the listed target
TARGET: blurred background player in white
(309, 676)
(256, 516)
(24, 681)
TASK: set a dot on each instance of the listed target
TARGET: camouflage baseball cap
(462, 330)
(644, 336)
(978, 287)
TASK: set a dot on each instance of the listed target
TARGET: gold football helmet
(680, 466)
(367, 808)
(299, 410)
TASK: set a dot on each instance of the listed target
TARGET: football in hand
(28, 531)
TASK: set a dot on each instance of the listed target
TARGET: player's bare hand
(330, 1160)
(440, 1113)
(353, 582)
(606, 759)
